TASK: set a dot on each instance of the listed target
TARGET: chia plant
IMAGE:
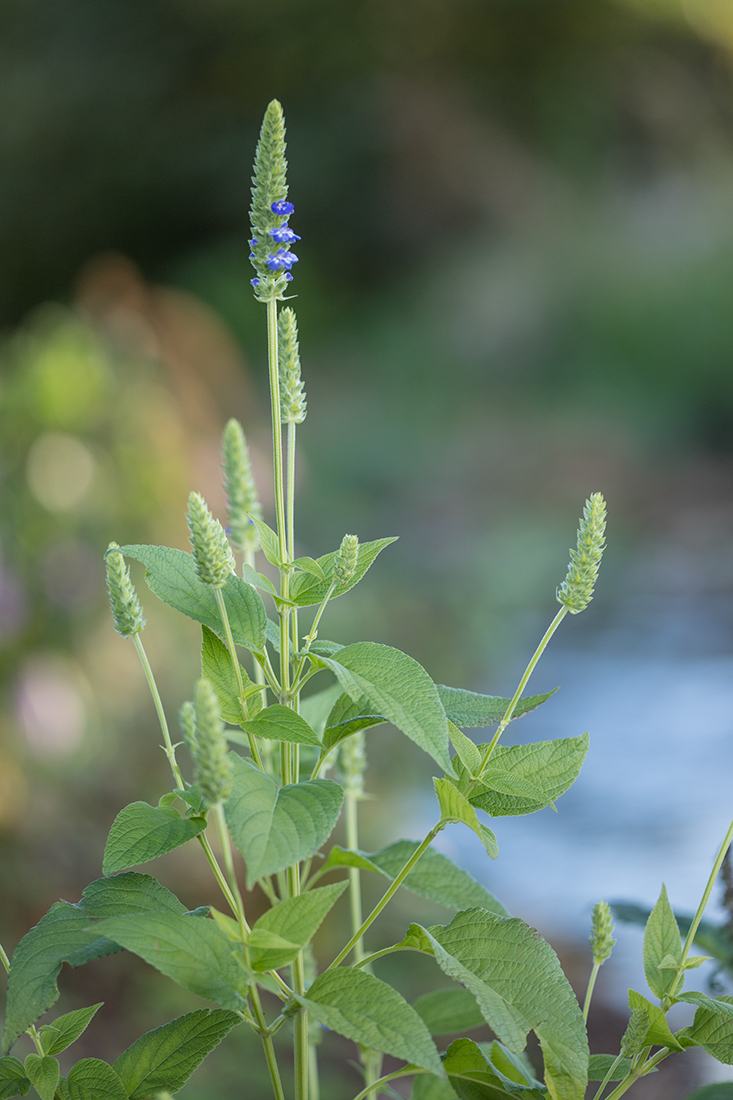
(260, 749)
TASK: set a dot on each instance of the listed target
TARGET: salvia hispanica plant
(261, 751)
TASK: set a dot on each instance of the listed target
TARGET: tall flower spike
(211, 550)
(576, 591)
(187, 722)
(271, 235)
(240, 488)
(292, 396)
(126, 610)
(213, 768)
(601, 932)
(345, 561)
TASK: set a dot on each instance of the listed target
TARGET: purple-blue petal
(283, 208)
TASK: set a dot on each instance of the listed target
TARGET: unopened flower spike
(292, 396)
(211, 550)
(601, 933)
(187, 722)
(635, 1036)
(240, 488)
(213, 768)
(126, 610)
(345, 561)
(576, 591)
(270, 210)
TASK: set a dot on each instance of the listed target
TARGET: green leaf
(661, 939)
(455, 807)
(449, 1010)
(344, 857)
(349, 717)
(470, 710)
(474, 1077)
(466, 750)
(427, 1087)
(66, 1029)
(92, 1079)
(279, 723)
(308, 565)
(295, 921)
(708, 936)
(712, 1027)
(481, 950)
(370, 1012)
(397, 687)
(142, 832)
(275, 827)
(64, 935)
(316, 708)
(307, 590)
(13, 1078)
(171, 575)
(723, 1090)
(600, 1064)
(192, 951)
(435, 877)
(216, 667)
(43, 1074)
(659, 1031)
(521, 779)
(268, 541)
(164, 1059)
(258, 580)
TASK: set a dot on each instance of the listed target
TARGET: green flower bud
(126, 610)
(187, 722)
(576, 591)
(352, 763)
(211, 550)
(601, 938)
(345, 561)
(292, 397)
(634, 1039)
(213, 768)
(240, 488)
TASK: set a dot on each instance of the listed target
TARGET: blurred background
(515, 288)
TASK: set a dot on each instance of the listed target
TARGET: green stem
(277, 442)
(413, 1071)
(589, 991)
(389, 894)
(352, 842)
(311, 635)
(224, 616)
(168, 748)
(509, 712)
(701, 909)
(4, 959)
(608, 1077)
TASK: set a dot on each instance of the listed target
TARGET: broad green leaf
(455, 807)
(142, 832)
(344, 857)
(216, 667)
(481, 951)
(370, 1012)
(466, 750)
(279, 723)
(471, 710)
(599, 1065)
(64, 935)
(316, 708)
(192, 951)
(449, 1010)
(296, 921)
(436, 877)
(723, 1090)
(326, 648)
(397, 687)
(712, 1027)
(275, 827)
(43, 1074)
(309, 565)
(659, 1031)
(544, 770)
(306, 590)
(708, 936)
(258, 580)
(92, 1079)
(66, 1029)
(164, 1059)
(13, 1079)
(661, 939)
(427, 1087)
(171, 575)
(517, 1067)
(268, 541)
(348, 717)
(474, 1077)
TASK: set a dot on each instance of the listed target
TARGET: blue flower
(288, 277)
(281, 259)
(283, 235)
(283, 208)
(255, 282)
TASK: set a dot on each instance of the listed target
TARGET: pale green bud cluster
(211, 550)
(126, 610)
(203, 731)
(576, 591)
(344, 564)
(292, 396)
(601, 932)
(352, 763)
(634, 1039)
(240, 488)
